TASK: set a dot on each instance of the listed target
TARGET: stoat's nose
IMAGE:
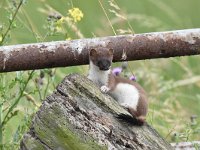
(104, 64)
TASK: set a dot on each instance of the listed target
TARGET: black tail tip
(138, 121)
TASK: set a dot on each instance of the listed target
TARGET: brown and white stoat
(128, 93)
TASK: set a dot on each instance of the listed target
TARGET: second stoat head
(101, 57)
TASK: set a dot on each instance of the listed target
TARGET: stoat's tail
(141, 120)
(132, 119)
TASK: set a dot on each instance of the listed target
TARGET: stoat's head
(102, 58)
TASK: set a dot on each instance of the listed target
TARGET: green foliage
(173, 84)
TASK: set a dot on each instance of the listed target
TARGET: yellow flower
(76, 14)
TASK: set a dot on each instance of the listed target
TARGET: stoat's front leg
(109, 85)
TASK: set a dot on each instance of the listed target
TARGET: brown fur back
(142, 106)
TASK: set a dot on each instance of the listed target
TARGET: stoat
(128, 93)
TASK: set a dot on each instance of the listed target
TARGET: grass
(172, 84)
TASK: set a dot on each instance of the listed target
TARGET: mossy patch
(56, 131)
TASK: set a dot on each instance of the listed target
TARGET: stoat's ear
(111, 51)
(93, 52)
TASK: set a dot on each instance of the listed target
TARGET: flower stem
(11, 22)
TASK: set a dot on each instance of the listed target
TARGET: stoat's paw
(104, 89)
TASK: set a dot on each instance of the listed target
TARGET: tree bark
(75, 52)
(77, 116)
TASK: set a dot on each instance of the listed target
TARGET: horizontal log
(77, 116)
(75, 52)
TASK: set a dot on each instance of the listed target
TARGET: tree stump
(77, 116)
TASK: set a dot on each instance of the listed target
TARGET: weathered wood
(193, 145)
(75, 52)
(77, 116)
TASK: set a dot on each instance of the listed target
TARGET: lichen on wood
(78, 116)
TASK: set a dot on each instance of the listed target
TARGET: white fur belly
(126, 95)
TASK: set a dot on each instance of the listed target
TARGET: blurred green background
(173, 84)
